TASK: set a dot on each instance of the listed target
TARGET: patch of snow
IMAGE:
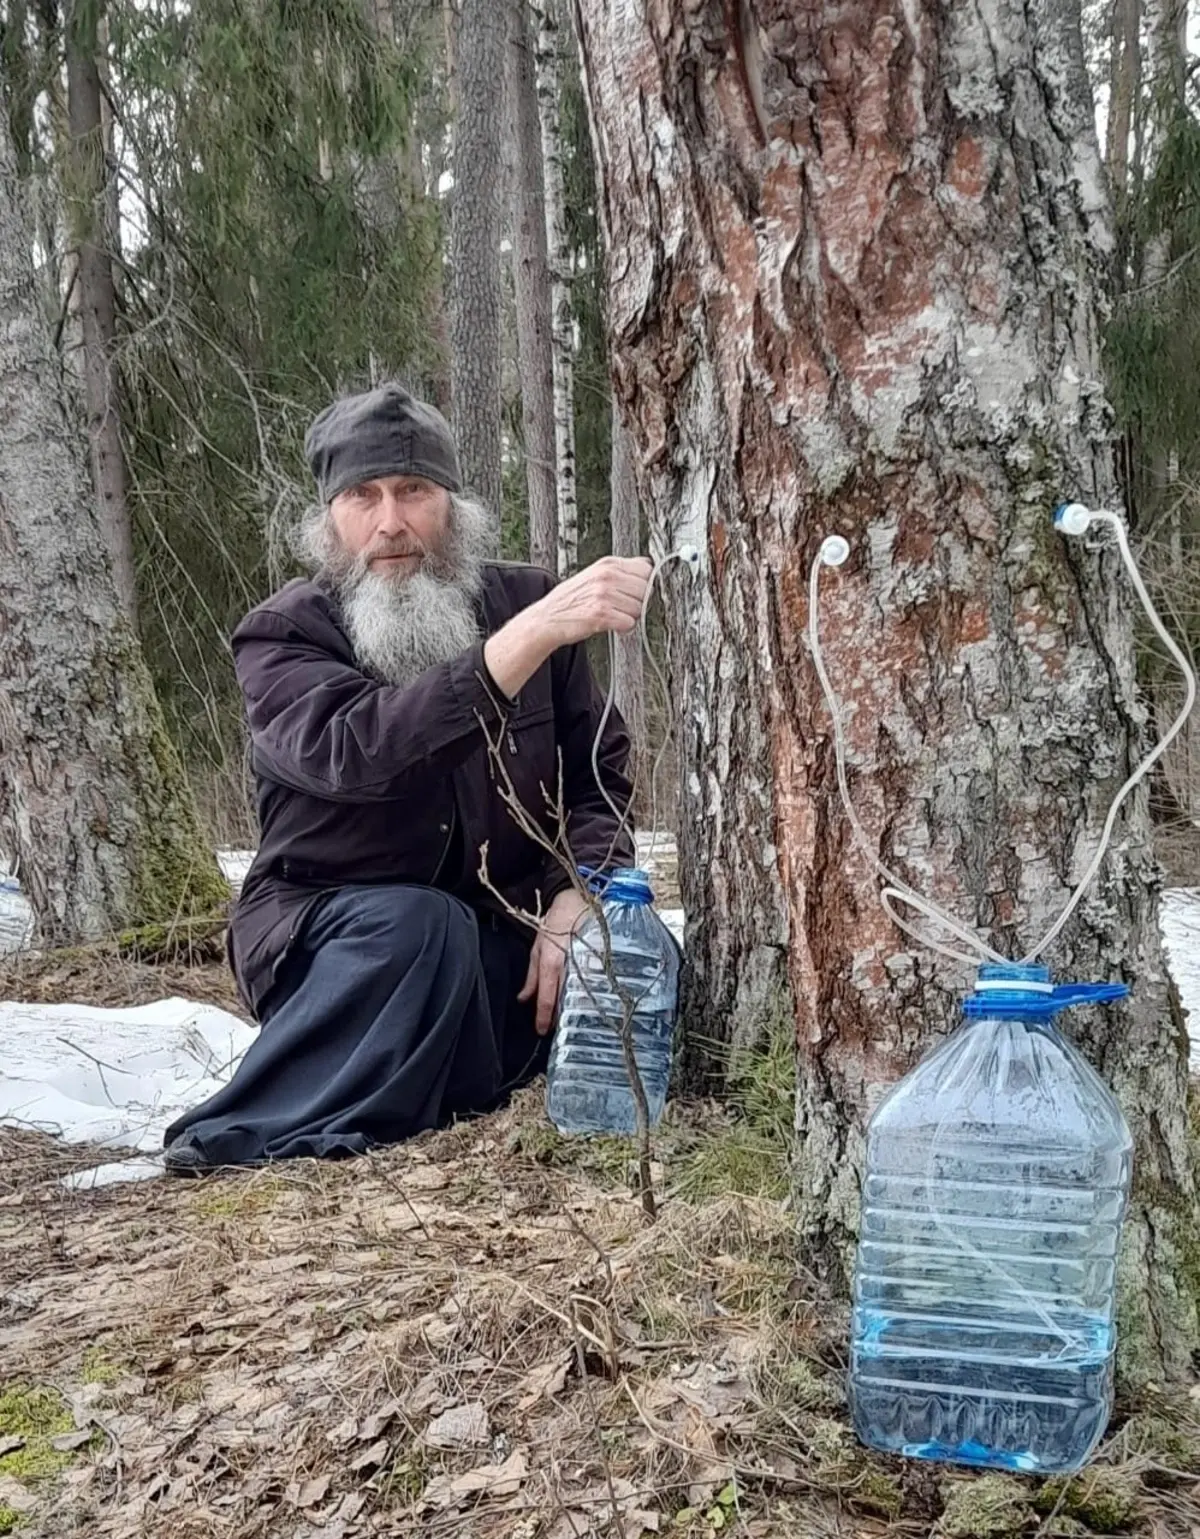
(673, 919)
(115, 1077)
(1179, 918)
(234, 864)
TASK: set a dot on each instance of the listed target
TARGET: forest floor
(475, 1334)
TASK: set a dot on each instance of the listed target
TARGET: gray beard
(399, 630)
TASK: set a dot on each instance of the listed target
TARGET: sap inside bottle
(588, 1086)
(996, 1180)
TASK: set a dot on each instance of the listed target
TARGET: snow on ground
(117, 1077)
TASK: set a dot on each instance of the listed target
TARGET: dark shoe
(185, 1159)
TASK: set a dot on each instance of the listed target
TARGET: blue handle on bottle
(1017, 990)
(596, 881)
(1068, 994)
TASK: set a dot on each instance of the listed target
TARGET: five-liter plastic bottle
(588, 1088)
(997, 1174)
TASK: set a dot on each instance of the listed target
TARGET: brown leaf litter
(464, 1336)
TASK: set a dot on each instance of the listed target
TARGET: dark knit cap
(383, 432)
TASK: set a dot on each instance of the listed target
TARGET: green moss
(878, 1493)
(835, 1453)
(187, 941)
(609, 1159)
(36, 1414)
(985, 1507)
(175, 874)
(9, 1518)
(1166, 1436)
(240, 1198)
(99, 1368)
(1104, 1498)
(807, 1390)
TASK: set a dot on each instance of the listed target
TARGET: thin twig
(587, 1390)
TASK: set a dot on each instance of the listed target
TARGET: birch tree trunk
(626, 518)
(531, 281)
(89, 202)
(93, 801)
(546, 55)
(475, 247)
(852, 262)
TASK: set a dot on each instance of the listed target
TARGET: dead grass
(476, 1334)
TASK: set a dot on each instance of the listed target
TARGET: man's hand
(549, 956)
(609, 595)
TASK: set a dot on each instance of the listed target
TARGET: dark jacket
(361, 782)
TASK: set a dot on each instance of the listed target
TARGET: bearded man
(395, 988)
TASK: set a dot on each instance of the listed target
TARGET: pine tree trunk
(626, 520)
(93, 801)
(546, 55)
(475, 248)
(852, 257)
(89, 201)
(531, 280)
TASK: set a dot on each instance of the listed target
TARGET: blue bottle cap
(1026, 990)
(629, 884)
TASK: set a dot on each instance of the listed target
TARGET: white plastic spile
(1072, 518)
(835, 550)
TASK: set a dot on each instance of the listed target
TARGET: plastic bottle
(997, 1175)
(587, 1088)
(16, 918)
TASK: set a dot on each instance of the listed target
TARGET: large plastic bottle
(996, 1180)
(16, 917)
(587, 1087)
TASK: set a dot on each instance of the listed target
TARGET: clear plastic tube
(833, 552)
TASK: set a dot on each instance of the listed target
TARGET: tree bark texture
(94, 805)
(852, 261)
(89, 202)
(475, 248)
(531, 282)
(549, 21)
(626, 520)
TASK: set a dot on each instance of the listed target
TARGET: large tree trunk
(853, 250)
(625, 517)
(475, 247)
(548, 68)
(531, 281)
(90, 199)
(93, 801)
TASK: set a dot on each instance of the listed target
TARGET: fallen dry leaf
(378, 1421)
(14, 1495)
(371, 1458)
(68, 1442)
(344, 1433)
(488, 1480)
(462, 1426)
(11, 1445)
(543, 1382)
(308, 1493)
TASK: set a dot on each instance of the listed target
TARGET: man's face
(388, 527)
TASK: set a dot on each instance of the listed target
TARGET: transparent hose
(898, 890)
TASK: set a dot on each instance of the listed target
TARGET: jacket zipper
(446, 847)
